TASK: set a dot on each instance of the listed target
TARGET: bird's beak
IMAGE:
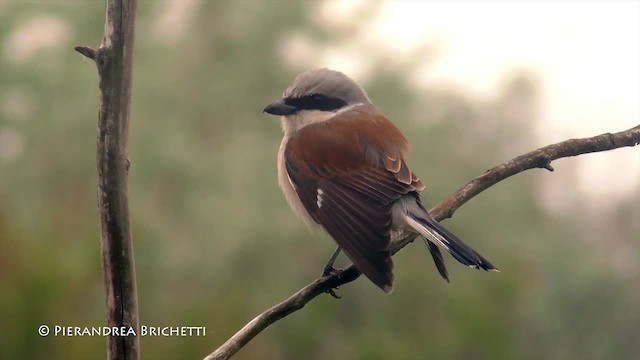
(279, 108)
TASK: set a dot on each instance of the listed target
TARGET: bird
(341, 167)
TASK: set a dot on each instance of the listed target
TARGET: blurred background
(471, 84)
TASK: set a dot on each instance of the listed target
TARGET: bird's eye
(317, 101)
(317, 98)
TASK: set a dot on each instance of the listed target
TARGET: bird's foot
(330, 271)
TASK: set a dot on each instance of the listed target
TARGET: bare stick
(540, 158)
(114, 62)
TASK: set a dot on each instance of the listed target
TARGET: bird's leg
(328, 267)
(329, 270)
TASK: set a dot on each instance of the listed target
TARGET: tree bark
(114, 63)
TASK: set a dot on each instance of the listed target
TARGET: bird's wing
(347, 172)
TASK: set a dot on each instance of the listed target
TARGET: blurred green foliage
(215, 242)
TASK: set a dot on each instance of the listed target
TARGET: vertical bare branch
(114, 62)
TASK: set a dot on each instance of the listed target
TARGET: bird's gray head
(318, 90)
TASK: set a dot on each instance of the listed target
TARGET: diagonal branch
(540, 158)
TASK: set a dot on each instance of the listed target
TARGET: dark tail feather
(437, 258)
(438, 235)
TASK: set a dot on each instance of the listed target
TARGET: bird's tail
(437, 237)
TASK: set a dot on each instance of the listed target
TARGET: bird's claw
(333, 293)
(330, 271)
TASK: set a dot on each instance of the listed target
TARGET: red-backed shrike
(341, 167)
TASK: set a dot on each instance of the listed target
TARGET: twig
(540, 158)
(114, 62)
(86, 51)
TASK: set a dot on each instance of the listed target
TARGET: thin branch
(540, 158)
(86, 51)
(114, 61)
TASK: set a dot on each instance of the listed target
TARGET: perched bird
(341, 167)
